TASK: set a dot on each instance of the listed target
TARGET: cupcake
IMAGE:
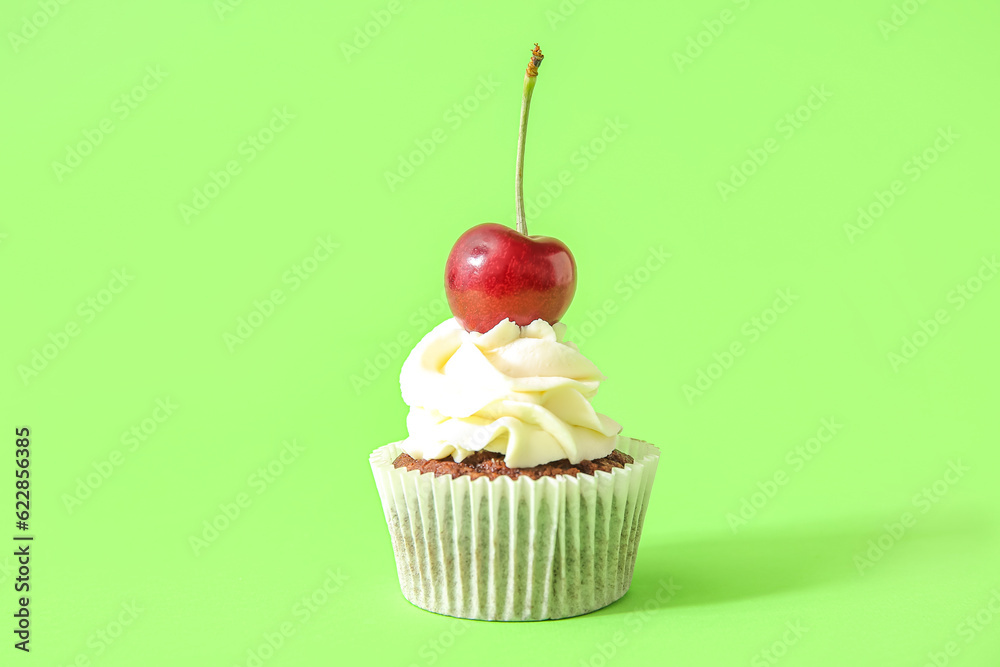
(512, 498)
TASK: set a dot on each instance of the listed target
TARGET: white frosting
(519, 391)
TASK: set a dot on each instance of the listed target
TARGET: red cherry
(496, 273)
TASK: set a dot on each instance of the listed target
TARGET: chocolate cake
(491, 464)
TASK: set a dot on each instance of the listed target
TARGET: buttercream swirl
(521, 391)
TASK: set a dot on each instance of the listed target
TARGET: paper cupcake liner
(515, 550)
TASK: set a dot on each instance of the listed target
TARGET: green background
(641, 139)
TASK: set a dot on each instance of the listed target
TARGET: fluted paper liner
(515, 550)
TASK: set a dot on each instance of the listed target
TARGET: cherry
(495, 273)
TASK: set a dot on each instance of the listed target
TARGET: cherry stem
(530, 74)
